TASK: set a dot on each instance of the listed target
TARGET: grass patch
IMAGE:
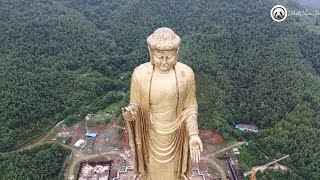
(113, 107)
(101, 117)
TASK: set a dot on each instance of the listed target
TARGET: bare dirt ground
(212, 135)
(209, 139)
(108, 138)
(276, 166)
(79, 133)
(108, 144)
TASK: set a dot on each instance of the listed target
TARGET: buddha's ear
(177, 54)
(178, 50)
(150, 54)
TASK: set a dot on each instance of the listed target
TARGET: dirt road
(237, 144)
(39, 140)
(213, 160)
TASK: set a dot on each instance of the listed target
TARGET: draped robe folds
(139, 130)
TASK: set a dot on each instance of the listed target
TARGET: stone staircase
(196, 175)
(127, 174)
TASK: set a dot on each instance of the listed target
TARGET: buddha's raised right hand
(129, 113)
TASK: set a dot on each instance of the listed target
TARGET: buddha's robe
(159, 137)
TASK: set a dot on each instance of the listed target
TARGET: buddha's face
(164, 60)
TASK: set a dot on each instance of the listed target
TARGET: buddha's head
(163, 47)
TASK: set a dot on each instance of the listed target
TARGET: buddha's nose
(164, 61)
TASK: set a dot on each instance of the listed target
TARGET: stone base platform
(127, 174)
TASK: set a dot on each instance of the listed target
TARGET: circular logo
(279, 13)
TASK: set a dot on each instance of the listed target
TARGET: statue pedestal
(127, 174)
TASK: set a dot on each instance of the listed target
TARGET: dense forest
(61, 58)
(49, 69)
(43, 162)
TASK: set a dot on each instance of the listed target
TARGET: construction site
(94, 170)
(101, 151)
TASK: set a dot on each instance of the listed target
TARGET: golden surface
(162, 114)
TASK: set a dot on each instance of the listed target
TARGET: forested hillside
(51, 60)
(44, 162)
(62, 57)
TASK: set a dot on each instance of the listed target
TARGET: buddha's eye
(170, 57)
(158, 56)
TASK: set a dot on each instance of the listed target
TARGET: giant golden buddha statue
(162, 114)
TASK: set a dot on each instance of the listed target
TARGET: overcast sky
(312, 3)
